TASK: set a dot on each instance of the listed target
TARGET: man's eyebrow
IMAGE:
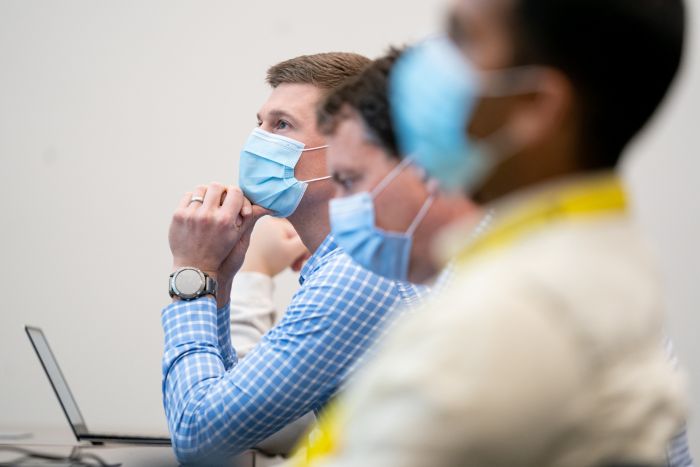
(344, 171)
(279, 114)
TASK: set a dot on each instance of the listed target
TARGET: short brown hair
(326, 70)
(367, 94)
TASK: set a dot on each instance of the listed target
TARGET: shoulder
(331, 267)
(596, 280)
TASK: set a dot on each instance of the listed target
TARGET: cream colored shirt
(546, 352)
(253, 310)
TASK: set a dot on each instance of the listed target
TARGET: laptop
(68, 404)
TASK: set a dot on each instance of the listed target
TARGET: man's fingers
(198, 193)
(247, 232)
(212, 199)
(233, 202)
(295, 246)
(184, 201)
(245, 213)
(288, 230)
(298, 253)
(298, 263)
(246, 226)
(247, 208)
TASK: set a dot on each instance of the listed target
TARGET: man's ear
(546, 111)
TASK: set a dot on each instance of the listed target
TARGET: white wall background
(110, 110)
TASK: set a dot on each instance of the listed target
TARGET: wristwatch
(189, 283)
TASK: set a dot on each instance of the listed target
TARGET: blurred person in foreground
(218, 405)
(545, 348)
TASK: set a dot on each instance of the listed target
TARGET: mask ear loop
(432, 186)
(499, 146)
(319, 178)
(314, 149)
(421, 215)
(315, 179)
(390, 177)
(503, 83)
(510, 81)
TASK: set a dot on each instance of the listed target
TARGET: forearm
(212, 413)
(193, 370)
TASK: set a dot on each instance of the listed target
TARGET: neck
(446, 210)
(312, 224)
(529, 169)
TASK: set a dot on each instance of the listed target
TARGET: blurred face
(291, 111)
(534, 119)
(358, 165)
(480, 30)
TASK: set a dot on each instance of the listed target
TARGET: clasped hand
(210, 230)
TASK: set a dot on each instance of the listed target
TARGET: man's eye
(346, 183)
(282, 125)
(259, 123)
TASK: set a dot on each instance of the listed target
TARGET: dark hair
(366, 94)
(621, 56)
(325, 70)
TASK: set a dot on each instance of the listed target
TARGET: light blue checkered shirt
(677, 451)
(218, 406)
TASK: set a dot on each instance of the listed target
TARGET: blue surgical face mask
(266, 172)
(433, 91)
(354, 229)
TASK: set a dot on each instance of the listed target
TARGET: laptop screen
(60, 387)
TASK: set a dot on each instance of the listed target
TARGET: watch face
(188, 283)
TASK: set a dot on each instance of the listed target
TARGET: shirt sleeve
(215, 412)
(229, 356)
(678, 450)
(252, 310)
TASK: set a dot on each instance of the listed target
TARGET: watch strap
(210, 285)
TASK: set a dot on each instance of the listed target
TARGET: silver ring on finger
(196, 199)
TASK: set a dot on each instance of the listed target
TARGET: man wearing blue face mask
(546, 349)
(386, 213)
(216, 404)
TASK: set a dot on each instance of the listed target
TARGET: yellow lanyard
(593, 196)
(323, 439)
